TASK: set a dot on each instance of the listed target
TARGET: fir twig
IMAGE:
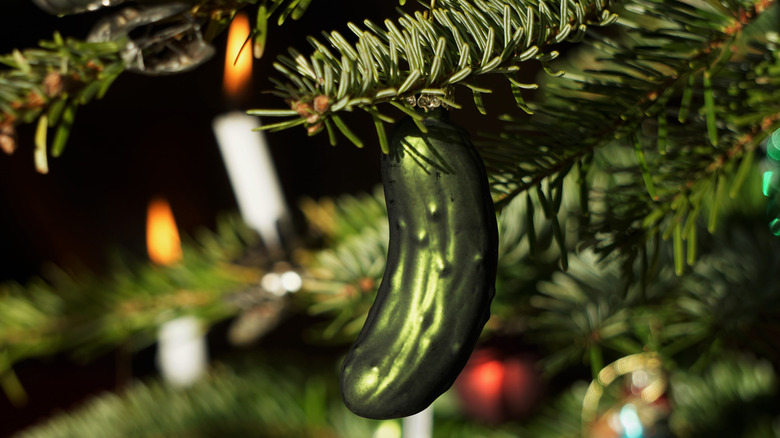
(634, 73)
(82, 315)
(416, 55)
(47, 84)
(584, 112)
(52, 82)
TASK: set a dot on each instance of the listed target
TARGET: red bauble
(495, 387)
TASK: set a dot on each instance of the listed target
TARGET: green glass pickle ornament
(439, 281)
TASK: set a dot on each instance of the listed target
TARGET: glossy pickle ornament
(435, 295)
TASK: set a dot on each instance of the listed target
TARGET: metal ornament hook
(163, 39)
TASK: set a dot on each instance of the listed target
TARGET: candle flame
(162, 236)
(238, 62)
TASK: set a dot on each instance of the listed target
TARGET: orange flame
(238, 66)
(162, 236)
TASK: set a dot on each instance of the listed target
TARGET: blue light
(629, 419)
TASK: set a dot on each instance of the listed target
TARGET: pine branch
(282, 398)
(728, 300)
(726, 303)
(699, 171)
(736, 396)
(560, 418)
(634, 90)
(266, 399)
(341, 282)
(47, 85)
(584, 315)
(586, 110)
(337, 219)
(85, 314)
(417, 59)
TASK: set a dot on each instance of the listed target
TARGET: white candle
(181, 343)
(181, 351)
(245, 153)
(419, 425)
(252, 174)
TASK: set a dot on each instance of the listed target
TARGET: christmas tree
(630, 150)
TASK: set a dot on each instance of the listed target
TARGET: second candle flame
(238, 63)
(162, 237)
